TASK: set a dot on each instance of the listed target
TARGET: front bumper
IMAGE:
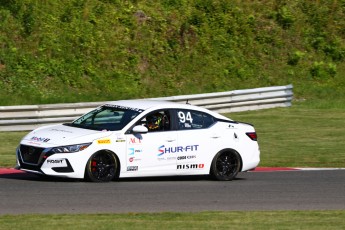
(39, 160)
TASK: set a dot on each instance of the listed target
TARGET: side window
(157, 121)
(189, 119)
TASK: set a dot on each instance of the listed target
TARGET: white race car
(136, 138)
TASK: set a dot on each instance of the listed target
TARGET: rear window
(190, 119)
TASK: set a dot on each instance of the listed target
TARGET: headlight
(70, 148)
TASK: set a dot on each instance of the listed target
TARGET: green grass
(304, 135)
(203, 220)
(100, 50)
(9, 142)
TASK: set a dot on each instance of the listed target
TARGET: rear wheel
(101, 167)
(226, 165)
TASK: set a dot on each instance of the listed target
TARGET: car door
(196, 139)
(152, 153)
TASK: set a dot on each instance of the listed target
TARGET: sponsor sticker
(178, 149)
(104, 141)
(132, 168)
(166, 158)
(124, 107)
(191, 166)
(132, 159)
(134, 140)
(133, 151)
(186, 157)
(61, 130)
(34, 143)
(40, 139)
(56, 162)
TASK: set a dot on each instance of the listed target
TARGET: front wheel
(101, 167)
(226, 165)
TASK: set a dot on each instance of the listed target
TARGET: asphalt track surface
(23, 193)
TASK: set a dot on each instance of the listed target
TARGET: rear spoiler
(234, 122)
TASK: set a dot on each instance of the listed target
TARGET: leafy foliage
(94, 50)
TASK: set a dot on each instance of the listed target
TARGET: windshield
(107, 117)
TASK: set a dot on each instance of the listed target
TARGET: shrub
(295, 57)
(323, 71)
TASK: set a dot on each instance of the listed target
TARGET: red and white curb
(8, 171)
(319, 169)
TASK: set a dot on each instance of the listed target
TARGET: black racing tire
(101, 167)
(226, 165)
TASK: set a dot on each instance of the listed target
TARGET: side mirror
(139, 129)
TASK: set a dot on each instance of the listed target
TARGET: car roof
(142, 104)
(148, 104)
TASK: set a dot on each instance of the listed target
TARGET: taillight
(252, 136)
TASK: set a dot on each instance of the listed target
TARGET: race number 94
(185, 117)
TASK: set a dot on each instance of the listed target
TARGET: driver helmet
(154, 121)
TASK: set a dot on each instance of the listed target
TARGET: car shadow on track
(172, 178)
(20, 175)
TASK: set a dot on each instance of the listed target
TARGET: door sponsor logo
(133, 151)
(185, 157)
(132, 159)
(191, 166)
(179, 149)
(134, 141)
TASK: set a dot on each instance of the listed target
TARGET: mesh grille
(30, 154)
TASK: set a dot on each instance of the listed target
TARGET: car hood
(59, 135)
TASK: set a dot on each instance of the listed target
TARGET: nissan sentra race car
(137, 138)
